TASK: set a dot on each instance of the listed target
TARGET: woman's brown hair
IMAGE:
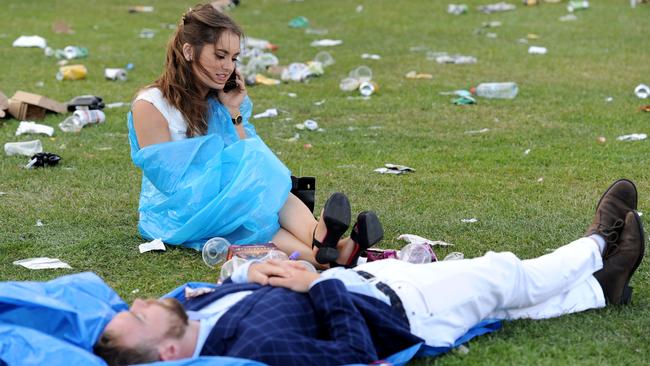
(201, 25)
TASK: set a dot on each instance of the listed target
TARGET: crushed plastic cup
(642, 91)
(325, 58)
(72, 72)
(361, 73)
(230, 266)
(311, 125)
(417, 253)
(24, 148)
(367, 88)
(115, 74)
(215, 251)
(349, 84)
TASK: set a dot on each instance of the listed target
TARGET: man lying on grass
(280, 314)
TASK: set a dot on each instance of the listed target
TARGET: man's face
(148, 322)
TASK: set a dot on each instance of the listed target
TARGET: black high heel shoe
(336, 215)
(367, 232)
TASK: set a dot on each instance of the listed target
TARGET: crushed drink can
(89, 116)
(367, 88)
(72, 72)
(115, 74)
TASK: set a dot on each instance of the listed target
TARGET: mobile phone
(231, 83)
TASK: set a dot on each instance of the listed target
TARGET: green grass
(89, 203)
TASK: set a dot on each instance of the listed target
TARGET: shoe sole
(336, 216)
(626, 298)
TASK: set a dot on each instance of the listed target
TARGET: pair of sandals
(367, 231)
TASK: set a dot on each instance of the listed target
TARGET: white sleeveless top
(175, 120)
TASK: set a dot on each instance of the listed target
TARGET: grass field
(525, 203)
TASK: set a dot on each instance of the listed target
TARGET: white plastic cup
(115, 74)
(642, 91)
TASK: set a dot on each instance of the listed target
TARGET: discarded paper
(468, 221)
(42, 263)
(633, 137)
(155, 244)
(416, 239)
(394, 169)
(326, 42)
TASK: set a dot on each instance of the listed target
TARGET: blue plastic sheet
(212, 185)
(56, 323)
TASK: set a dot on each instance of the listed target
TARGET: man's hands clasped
(288, 274)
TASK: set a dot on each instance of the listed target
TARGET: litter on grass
(642, 91)
(537, 50)
(469, 221)
(456, 9)
(30, 41)
(42, 263)
(412, 238)
(495, 8)
(370, 56)
(33, 127)
(394, 169)
(271, 112)
(326, 43)
(24, 148)
(39, 223)
(155, 244)
(633, 137)
(415, 75)
(454, 256)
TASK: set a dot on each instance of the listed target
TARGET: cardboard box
(4, 105)
(32, 107)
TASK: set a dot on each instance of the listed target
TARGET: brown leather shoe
(621, 262)
(616, 202)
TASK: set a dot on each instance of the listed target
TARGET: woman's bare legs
(299, 227)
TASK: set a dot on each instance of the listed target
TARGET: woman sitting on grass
(206, 173)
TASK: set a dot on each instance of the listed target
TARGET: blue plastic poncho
(212, 185)
(56, 323)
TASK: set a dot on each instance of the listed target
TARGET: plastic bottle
(506, 90)
(71, 124)
(416, 253)
(89, 116)
(215, 251)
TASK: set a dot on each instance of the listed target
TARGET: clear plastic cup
(230, 266)
(361, 73)
(349, 84)
(215, 251)
(325, 58)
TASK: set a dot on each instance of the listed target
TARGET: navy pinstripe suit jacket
(326, 326)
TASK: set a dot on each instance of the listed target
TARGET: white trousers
(443, 300)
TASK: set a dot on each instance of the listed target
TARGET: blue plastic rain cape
(213, 185)
(56, 323)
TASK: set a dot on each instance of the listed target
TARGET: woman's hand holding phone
(234, 97)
